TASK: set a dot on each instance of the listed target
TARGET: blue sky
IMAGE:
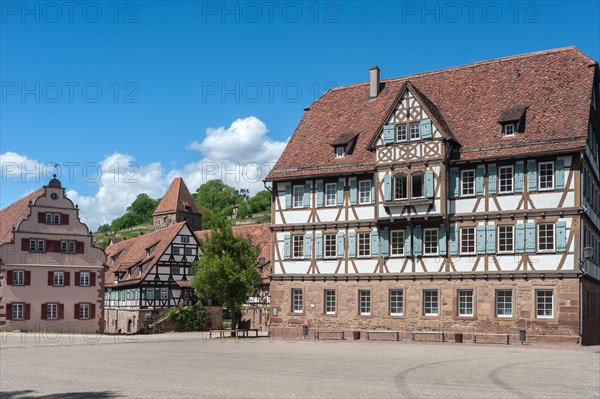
(126, 95)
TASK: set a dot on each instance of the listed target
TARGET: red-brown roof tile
(14, 213)
(177, 198)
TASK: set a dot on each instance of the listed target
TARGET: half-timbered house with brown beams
(152, 273)
(51, 274)
(463, 200)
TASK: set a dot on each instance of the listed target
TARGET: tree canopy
(139, 212)
(216, 200)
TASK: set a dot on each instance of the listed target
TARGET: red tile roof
(132, 252)
(554, 85)
(177, 198)
(14, 213)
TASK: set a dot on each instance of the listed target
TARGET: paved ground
(188, 365)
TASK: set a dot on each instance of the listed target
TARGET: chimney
(373, 81)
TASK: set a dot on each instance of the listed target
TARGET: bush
(192, 318)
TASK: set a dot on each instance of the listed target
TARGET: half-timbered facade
(51, 274)
(460, 199)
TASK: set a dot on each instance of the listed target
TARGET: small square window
(340, 152)
(415, 131)
(544, 303)
(185, 239)
(401, 133)
(509, 129)
(504, 303)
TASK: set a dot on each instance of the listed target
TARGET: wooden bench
(396, 333)
(341, 334)
(245, 331)
(221, 332)
(507, 336)
(437, 334)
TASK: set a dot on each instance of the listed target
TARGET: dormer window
(512, 121)
(340, 152)
(509, 129)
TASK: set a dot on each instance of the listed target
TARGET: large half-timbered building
(458, 199)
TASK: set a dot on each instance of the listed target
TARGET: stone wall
(563, 326)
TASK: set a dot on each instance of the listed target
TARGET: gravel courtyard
(188, 365)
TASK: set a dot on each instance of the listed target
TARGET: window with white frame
(41, 246)
(415, 131)
(64, 247)
(430, 302)
(364, 192)
(17, 311)
(56, 217)
(545, 237)
(364, 302)
(504, 303)
(298, 197)
(52, 311)
(84, 279)
(417, 183)
(465, 302)
(544, 303)
(401, 133)
(506, 239)
(467, 182)
(397, 242)
(72, 247)
(18, 277)
(84, 311)
(400, 186)
(164, 293)
(330, 194)
(430, 242)
(297, 300)
(297, 246)
(506, 179)
(330, 302)
(49, 218)
(364, 244)
(340, 151)
(396, 302)
(59, 279)
(467, 240)
(149, 293)
(546, 175)
(508, 129)
(32, 245)
(330, 245)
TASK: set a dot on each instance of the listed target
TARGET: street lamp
(588, 253)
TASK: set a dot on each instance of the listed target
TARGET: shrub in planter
(191, 318)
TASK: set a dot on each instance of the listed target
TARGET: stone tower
(176, 206)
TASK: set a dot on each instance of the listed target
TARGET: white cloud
(19, 167)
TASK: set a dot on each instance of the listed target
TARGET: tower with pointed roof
(176, 206)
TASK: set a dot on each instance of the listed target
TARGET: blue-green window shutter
(559, 173)
(307, 195)
(561, 236)
(454, 182)
(389, 132)
(407, 242)
(286, 246)
(340, 244)
(387, 187)
(318, 245)
(453, 239)
(372, 190)
(353, 191)
(351, 244)
(417, 241)
(480, 239)
(307, 245)
(426, 129)
(384, 242)
(479, 172)
(490, 239)
(519, 177)
(532, 175)
(340, 191)
(520, 238)
(375, 243)
(288, 196)
(429, 184)
(157, 293)
(530, 237)
(492, 179)
(442, 240)
(320, 196)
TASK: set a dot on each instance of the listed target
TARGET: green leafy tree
(216, 200)
(139, 212)
(259, 203)
(103, 228)
(227, 269)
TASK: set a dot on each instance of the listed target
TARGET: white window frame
(18, 311)
(549, 177)
(32, 245)
(298, 196)
(363, 244)
(466, 298)
(501, 300)
(164, 293)
(417, 130)
(506, 132)
(52, 311)
(340, 151)
(401, 129)
(548, 241)
(430, 248)
(470, 187)
(58, 279)
(72, 247)
(85, 279)
(297, 246)
(461, 233)
(330, 194)
(500, 179)
(502, 236)
(399, 239)
(396, 302)
(56, 218)
(41, 246)
(406, 186)
(149, 293)
(84, 311)
(430, 302)
(18, 277)
(297, 300)
(64, 247)
(364, 302)
(545, 304)
(329, 299)
(329, 245)
(49, 218)
(364, 193)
